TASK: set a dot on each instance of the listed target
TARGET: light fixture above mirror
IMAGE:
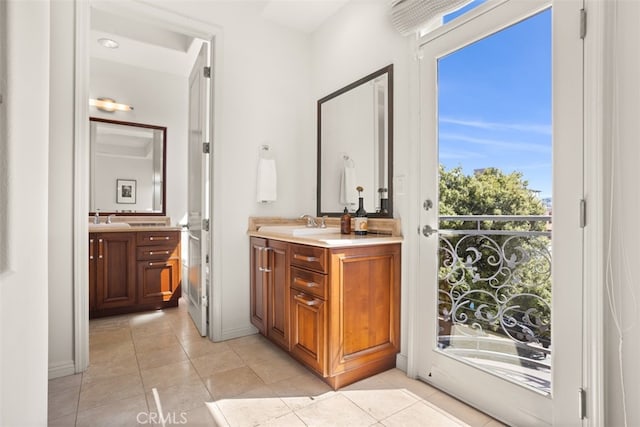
(109, 105)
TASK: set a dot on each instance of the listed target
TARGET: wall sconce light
(109, 105)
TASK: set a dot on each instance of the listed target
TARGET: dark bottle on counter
(345, 222)
(361, 216)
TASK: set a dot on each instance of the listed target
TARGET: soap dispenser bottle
(345, 222)
(361, 215)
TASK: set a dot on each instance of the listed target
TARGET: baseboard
(61, 369)
(401, 362)
(238, 332)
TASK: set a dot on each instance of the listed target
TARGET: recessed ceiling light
(111, 44)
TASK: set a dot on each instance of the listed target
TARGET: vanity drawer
(157, 252)
(310, 257)
(155, 238)
(309, 282)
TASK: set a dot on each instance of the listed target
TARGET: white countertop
(331, 240)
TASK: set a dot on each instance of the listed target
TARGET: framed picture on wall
(126, 191)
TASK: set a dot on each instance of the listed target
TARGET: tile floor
(242, 382)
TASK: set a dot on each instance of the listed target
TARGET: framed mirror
(127, 168)
(355, 147)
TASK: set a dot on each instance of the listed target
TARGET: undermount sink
(111, 225)
(298, 230)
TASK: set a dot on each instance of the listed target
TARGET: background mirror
(127, 170)
(355, 146)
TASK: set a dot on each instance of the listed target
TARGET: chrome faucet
(96, 217)
(311, 221)
(109, 219)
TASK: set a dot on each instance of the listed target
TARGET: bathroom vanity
(331, 301)
(133, 268)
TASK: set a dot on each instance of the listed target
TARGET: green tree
(469, 264)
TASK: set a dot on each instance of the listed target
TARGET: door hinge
(206, 147)
(583, 213)
(583, 23)
(205, 224)
(205, 301)
(207, 72)
(582, 403)
(206, 259)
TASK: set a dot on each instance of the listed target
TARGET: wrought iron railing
(495, 279)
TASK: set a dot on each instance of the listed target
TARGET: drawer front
(309, 282)
(156, 238)
(157, 252)
(309, 257)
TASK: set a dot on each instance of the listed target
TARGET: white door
(197, 281)
(501, 236)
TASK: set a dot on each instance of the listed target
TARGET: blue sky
(494, 100)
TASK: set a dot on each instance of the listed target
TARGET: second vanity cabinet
(336, 310)
(133, 271)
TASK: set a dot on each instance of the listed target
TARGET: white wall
(355, 42)
(23, 281)
(158, 99)
(622, 109)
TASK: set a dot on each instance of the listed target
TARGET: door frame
(593, 255)
(176, 22)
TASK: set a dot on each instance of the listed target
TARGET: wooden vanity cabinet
(344, 307)
(270, 289)
(133, 271)
(112, 280)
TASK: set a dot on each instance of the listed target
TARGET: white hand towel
(267, 181)
(348, 193)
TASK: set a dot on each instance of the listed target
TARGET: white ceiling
(153, 47)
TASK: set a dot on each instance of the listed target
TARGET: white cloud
(481, 124)
(509, 145)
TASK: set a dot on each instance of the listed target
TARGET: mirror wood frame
(389, 71)
(163, 129)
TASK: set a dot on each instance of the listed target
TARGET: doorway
(162, 19)
(499, 240)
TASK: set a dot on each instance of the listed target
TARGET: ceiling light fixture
(109, 43)
(109, 105)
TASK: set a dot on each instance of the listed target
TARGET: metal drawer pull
(305, 301)
(155, 253)
(299, 281)
(151, 264)
(160, 238)
(264, 269)
(90, 248)
(100, 248)
(305, 258)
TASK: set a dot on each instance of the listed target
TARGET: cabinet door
(278, 296)
(365, 326)
(93, 243)
(158, 281)
(115, 270)
(258, 284)
(308, 330)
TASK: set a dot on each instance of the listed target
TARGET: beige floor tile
(105, 390)
(398, 379)
(208, 365)
(288, 420)
(253, 408)
(381, 404)
(458, 409)
(63, 402)
(422, 414)
(156, 358)
(300, 391)
(259, 351)
(494, 423)
(158, 342)
(110, 368)
(126, 412)
(105, 324)
(275, 370)
(200, 346)
(335, 411)
(231, 383)
(198, 417)
(64, 383)
(169, 375)
(180, 398)
(66, 421)
(112, 351)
